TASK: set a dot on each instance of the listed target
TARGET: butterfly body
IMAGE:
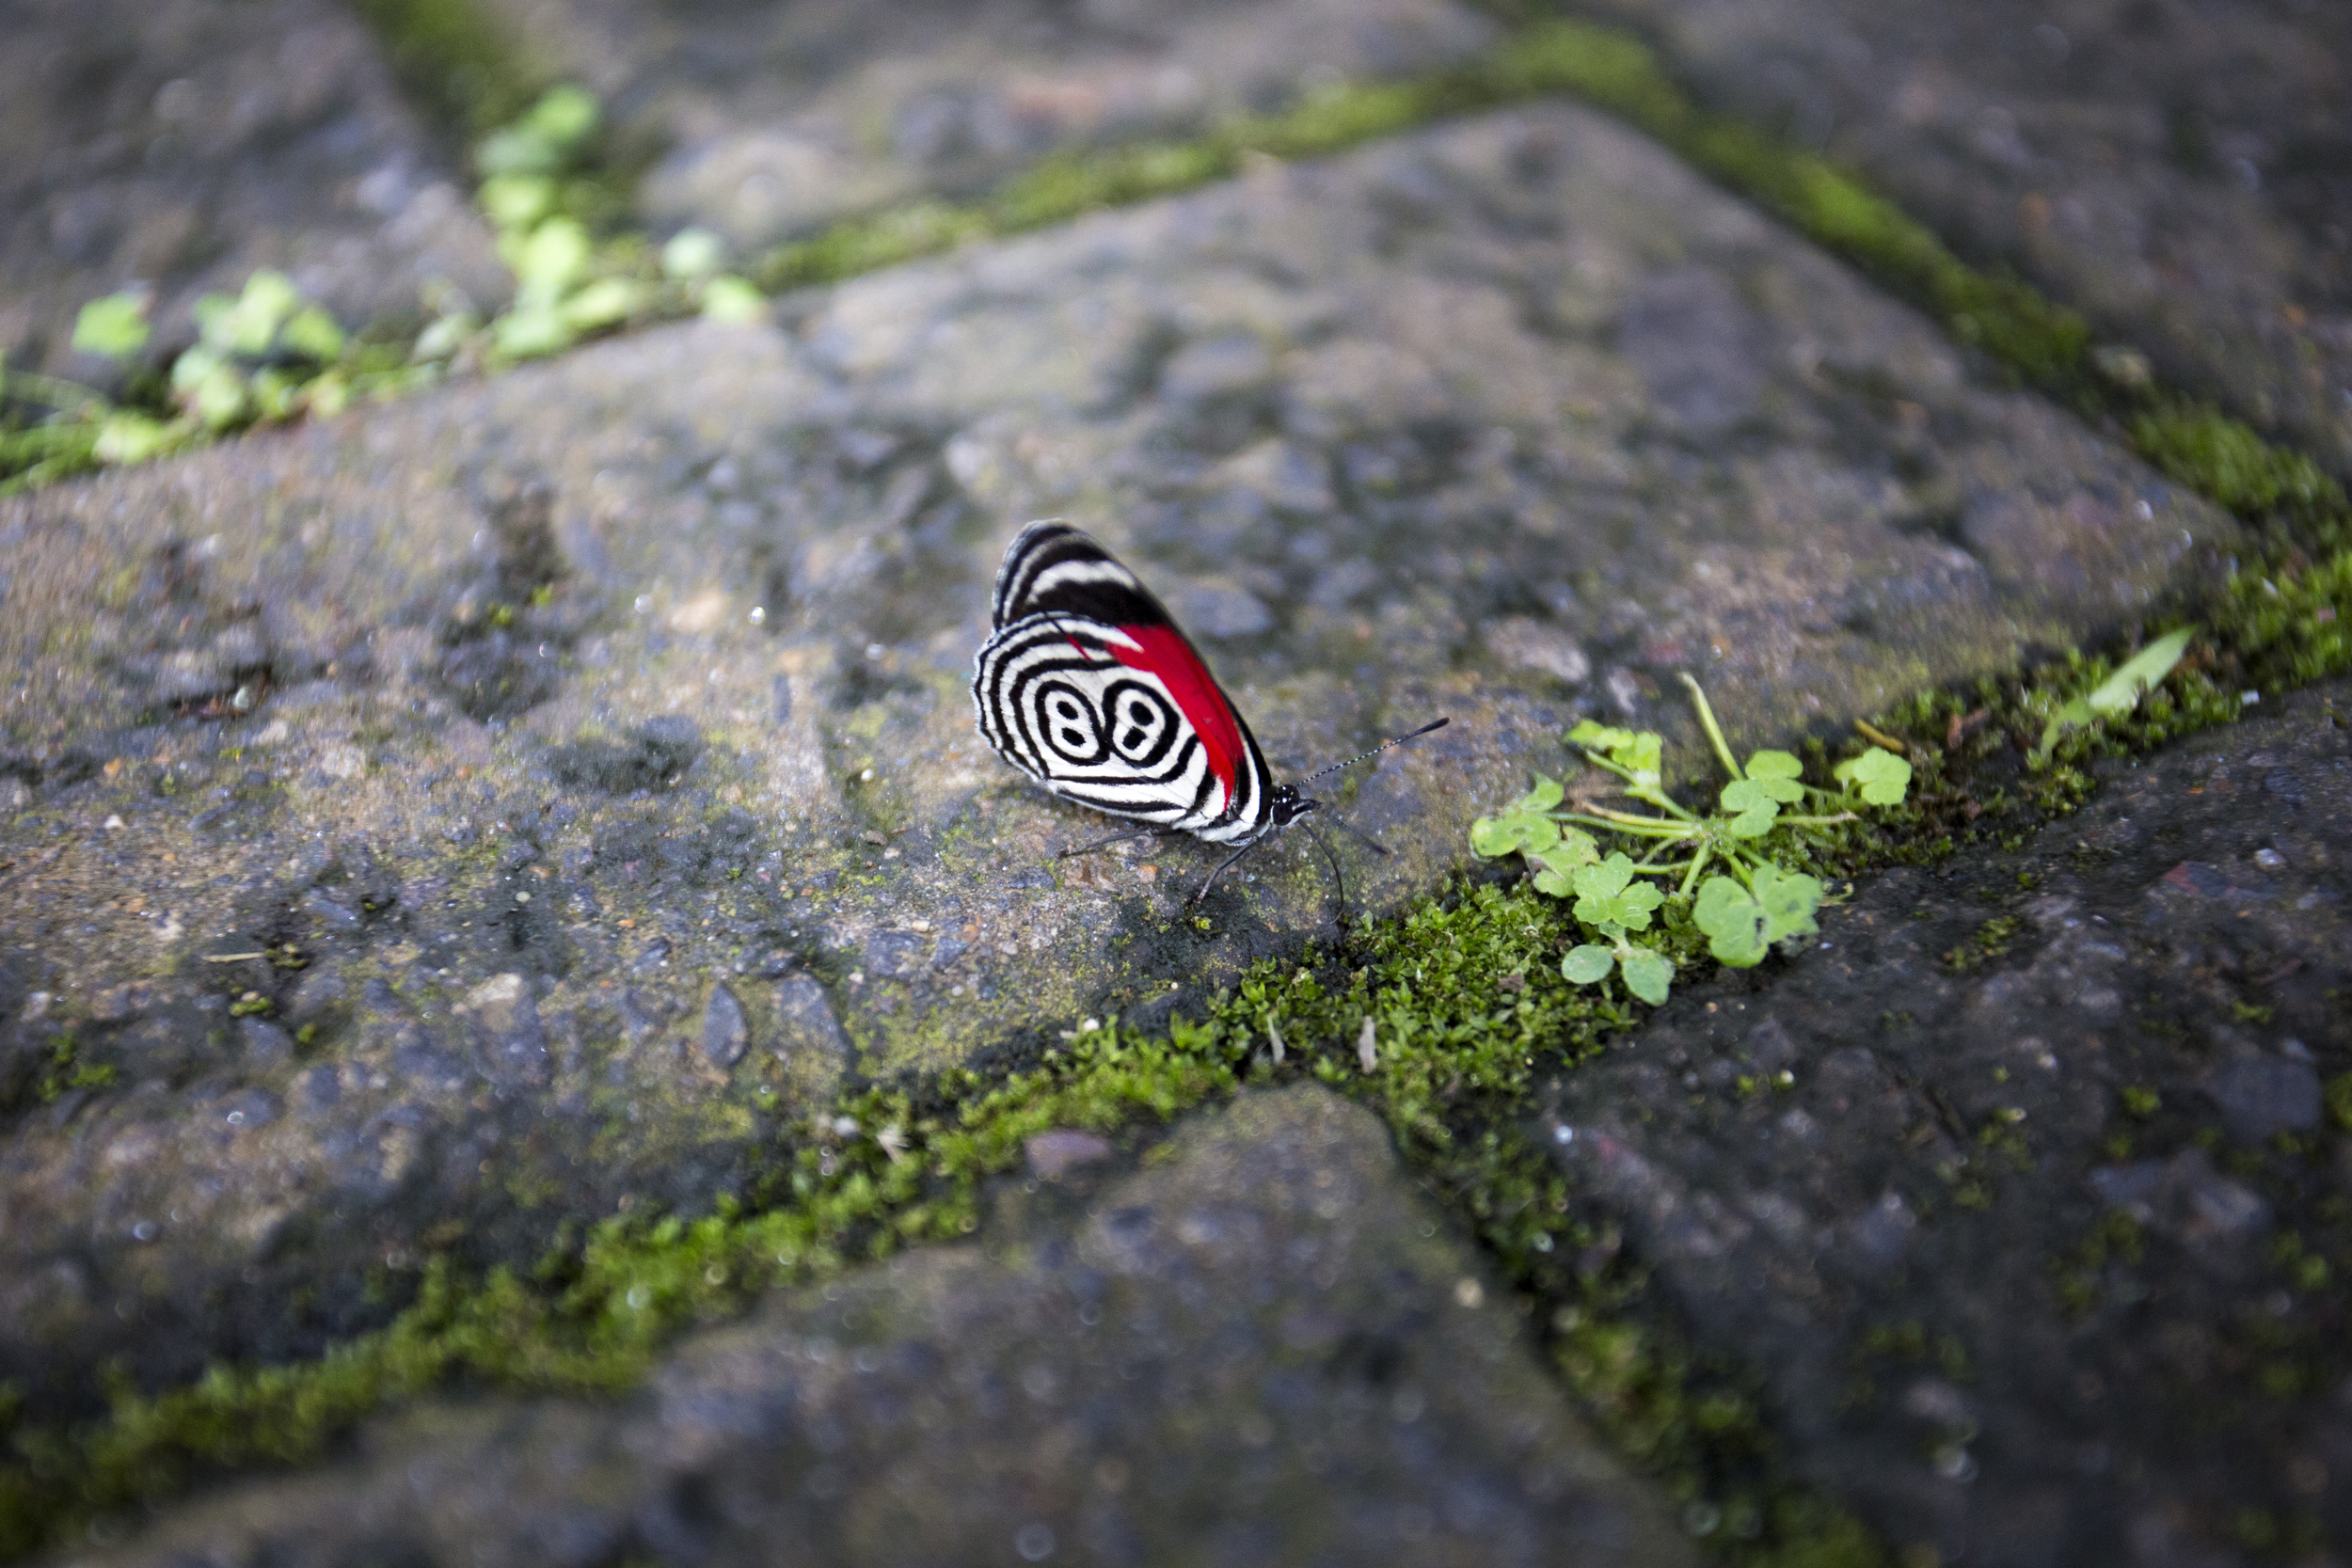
(1087, 685)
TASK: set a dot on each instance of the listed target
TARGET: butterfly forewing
(1054, 569)
(1089, 687)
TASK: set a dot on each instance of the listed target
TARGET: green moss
(458, 59)
(2230, 464)
(2042, 343)
(2339, 1100)
(65, 1071)
(1990, 942)
(1464, 1008)
(1466, 1005)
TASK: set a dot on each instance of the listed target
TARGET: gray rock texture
(180, 145)
(2038, 1250)
(774, 120)
(2179, 170)
(389, 800)
(1261, 1350)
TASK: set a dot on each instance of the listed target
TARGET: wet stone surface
(182, 145)
(1262, 1349)
(388, 801)
(773, 122)
(2179, 170)
(2041, 1244)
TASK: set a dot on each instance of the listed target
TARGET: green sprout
(1649, 973)
(2119, 693)
(1726, 884)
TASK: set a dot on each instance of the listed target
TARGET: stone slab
(2043, 1254)
(2179, 170)
(1263, 1348)
(771, 122)
(182, 145)
(411, 785)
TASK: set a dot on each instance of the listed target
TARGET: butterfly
(1087, 685)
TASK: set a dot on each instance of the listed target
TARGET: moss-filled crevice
(2043, 343)
(461, 64)
(1466, 1006)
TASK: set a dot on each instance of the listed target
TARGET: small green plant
(567, 285)
(1751, 900)
(266, 355)
(2119, 693)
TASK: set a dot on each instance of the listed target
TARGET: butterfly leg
(1118, 838)
(1222, 867)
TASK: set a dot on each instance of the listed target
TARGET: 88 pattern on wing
(1089, 687)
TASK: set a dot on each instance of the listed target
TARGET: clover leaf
(1597, 737)
(114, 327)
(517, 201)
(1637, 753)
(1544, 797)
(1788, 899)
(1608, 896)
(248, 324)
(1558, 864)
(208, 386)
(1742, 923)
(1879, 776)
(563, 116)
(729, 298)
(1521, 826)
(1649, 973)
(130, 436)
(602, 303)
(1512, 833)
(1778, 774)
(313, 333)
(548, 262)
(1588, 963)
(1752, 806)
(1733, 920)
(543, 141)
(692, 253)
(528, 331)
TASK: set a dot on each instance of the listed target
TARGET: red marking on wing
(1166, 654)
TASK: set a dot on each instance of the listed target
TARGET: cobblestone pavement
(2038, 1243)
(428, 830)
(2179, 170)
(1261, 1348)
(592, 873)
(181, 146)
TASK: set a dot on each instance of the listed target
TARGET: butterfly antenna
(1433, 724)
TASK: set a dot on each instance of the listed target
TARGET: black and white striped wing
(1089, 687)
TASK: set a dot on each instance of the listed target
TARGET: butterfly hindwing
(1089, 685)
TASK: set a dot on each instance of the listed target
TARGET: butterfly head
(1285, 805)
